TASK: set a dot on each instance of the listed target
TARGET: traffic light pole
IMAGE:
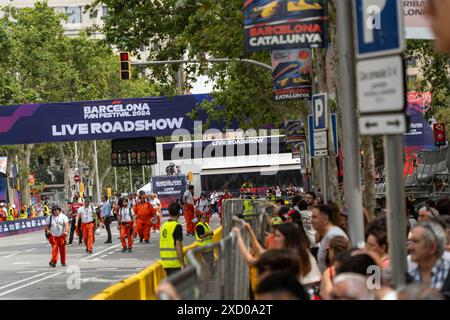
(221, 60)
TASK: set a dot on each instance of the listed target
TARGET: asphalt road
(25, 273)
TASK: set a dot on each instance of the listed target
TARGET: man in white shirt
(156, 204)
(57, 228)
(203, 207)
(89, 221)
(188, 210)
(321, 220)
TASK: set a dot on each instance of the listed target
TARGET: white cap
(13, 206)
(2, 204)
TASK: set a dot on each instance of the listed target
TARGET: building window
(93, 13)
(412, 78)
(104, 11)
(411, 62)
(74, 14)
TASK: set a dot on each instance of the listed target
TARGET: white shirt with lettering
(58, 224)
(86, 214)
(189, 197)
(126, 214)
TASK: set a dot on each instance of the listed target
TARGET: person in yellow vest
(171, 242)
(248, 208)
(23, 213)
(10, 214)
(33, 212)
(45, 209)
(204, 236)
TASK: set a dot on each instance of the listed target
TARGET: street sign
(320, 143)
(311, 135)
(382, 124)
(303, 152)
(379, 28)
(320, 111)
(76, 178)
(381, 85)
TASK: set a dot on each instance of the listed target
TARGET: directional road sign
(382, 124)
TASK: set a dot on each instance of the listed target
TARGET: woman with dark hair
(287, 236)
(376, 242)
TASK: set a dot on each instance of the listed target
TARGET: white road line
(100, 252)
(107, 269)
(111, 252)
(25, 239)
(29, 271)
(23, 280)
(128, 259)
(11, 255)
(31, 283)
(22, 263)
(104, 256)
(29, 250)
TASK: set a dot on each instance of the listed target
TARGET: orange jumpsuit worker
(88, 222)
(189, 210)
(144, 212)
(57, 228)
(126, 219)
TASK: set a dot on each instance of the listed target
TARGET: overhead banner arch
(97, 120)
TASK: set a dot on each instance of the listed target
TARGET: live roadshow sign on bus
(283, 24)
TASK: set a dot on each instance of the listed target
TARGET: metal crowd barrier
(226, 276)
(143, 285)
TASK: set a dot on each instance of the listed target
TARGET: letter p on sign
(320, 111)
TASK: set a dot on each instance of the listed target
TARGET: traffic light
(125, 66)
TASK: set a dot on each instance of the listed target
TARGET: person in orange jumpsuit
(126, 220)
(57, 228)
(223, 197)
(89, 221)
(144, 212)
(189, 210)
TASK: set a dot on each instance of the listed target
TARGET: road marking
(111, 252)
(11, 255)
(103, 256)
(29, 271)
(25, 239)
(29, 250)
(23, 280)
(22, 263)
(124, 276)
(97, 280)
(128, 259)
(100, 252)
(107, 269)
(31, 283)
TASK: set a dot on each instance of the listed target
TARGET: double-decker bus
(219, 164)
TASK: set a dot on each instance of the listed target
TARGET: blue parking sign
(379, 27)
(320, 111)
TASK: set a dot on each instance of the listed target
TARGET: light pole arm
(221, 60)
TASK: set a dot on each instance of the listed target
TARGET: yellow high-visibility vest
(248, 209)
(46, 210)
(10, 215)
(23, 214)
(206, 240)
(167, 248)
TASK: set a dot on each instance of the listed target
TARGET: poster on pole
(291, 72)
(283, 24)
(3, 164)
(417, 25)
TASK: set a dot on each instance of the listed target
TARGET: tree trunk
(65, 165)
(24, 155)
(332, 185)
(369, 175)
(103, 176)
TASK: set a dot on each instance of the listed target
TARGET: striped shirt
(438, 273)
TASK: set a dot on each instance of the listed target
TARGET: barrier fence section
(143, 285)
(214, 271)
(218, 271)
